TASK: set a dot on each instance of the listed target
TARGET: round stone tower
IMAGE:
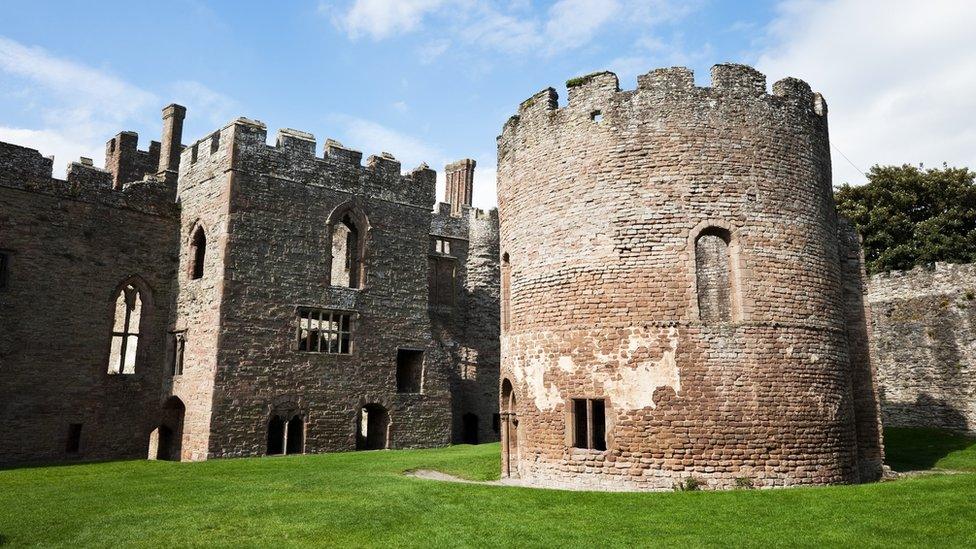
(673, 300)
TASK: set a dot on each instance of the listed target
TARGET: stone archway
(168, 436)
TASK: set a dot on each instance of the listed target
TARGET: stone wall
(267, 209)
(72, 244)
(467, 328)
(924, 345)
(601, 205)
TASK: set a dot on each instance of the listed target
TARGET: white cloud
(74, 83)
(898, 75)
(75, 108)
(574, 22)
(400, 106)
(509, 28)
(432, 50)
(373, 138)
(203, 103)
(485, 193)
(383, 18)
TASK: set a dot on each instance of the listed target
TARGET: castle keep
(679, 298)
(232, 298)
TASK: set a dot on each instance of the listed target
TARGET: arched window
(713, 275)
(125, 330)
(198, 252)
(506, 291)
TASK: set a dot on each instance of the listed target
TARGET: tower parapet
(242, 145)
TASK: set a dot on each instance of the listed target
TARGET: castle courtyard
(364, 499)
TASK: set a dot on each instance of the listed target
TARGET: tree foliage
(908, 216)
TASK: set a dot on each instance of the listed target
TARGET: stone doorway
(469, 429)
(509, 421)
(166, 441)
(373, 431)
(286, 436)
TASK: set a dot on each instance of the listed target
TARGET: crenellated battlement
(126, 162)
(597, 95)
(28, 170)
(242, 145)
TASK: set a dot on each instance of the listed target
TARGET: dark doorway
(510, 449)
(374, 422)
(469, 429)
(276, 436)
(169, 444)
(295, 443)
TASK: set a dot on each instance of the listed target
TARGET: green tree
(908, 216)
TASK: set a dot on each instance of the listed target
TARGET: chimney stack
(460, 184)
(169, 155)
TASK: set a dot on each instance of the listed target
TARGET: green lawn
(363, 499)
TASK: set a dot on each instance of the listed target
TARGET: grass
(363, 499)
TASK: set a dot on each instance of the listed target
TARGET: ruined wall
(269, 207)
(468, 328)
(924, 345)
(71, 244)
(601, 204)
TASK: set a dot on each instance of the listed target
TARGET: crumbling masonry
(231, 298)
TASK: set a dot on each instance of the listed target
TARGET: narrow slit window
(4, 269)
(179, 348)
(506, 291)
(198, 253)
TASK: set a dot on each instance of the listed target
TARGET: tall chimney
(460, 184)
(169, 154)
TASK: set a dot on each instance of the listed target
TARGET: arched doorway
(286, 436)
(373, 428)
(469, 429)
(510, 450)
(169, 434)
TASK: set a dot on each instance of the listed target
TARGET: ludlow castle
(665, 291)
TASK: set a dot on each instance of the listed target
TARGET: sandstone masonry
(231, 298)
(924, 345)
(678, 297)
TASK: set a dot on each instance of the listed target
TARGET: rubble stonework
(628, 217)
(924, 345)
(266, 219)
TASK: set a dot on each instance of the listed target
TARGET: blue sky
(433, 80)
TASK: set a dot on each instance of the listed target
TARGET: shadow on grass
(922, 449)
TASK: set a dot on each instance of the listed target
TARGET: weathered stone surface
(924, 345)
(262, 216)
(601, 204)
